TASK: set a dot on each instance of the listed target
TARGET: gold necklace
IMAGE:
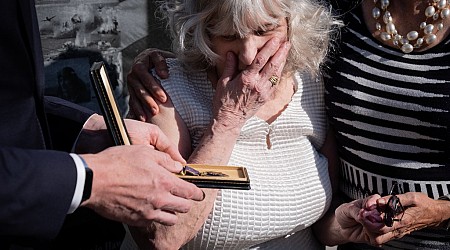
(436, 9)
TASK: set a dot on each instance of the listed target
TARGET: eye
(260, 32)
(266, 29)
(230, 37)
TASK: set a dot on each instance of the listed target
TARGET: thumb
(162, 143)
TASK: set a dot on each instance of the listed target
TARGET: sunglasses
(393, 208)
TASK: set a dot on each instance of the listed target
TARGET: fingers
(371, 202)
(141, 101)
(230, 69)
(167, 218)
(158, 60)
(187, 190)
(263, 56)
(274, 67)
(162, 143)
(145, 88)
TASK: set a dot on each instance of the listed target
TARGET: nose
(249, 47)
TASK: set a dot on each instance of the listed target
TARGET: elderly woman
(245, 90)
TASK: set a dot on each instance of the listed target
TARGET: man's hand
(135, 184)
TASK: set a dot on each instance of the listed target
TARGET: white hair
(311, 26)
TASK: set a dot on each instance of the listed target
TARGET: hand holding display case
(205, 176)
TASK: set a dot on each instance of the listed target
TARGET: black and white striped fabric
(391, 115)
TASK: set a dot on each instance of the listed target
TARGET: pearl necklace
(436, 9)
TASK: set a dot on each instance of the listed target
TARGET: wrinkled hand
(420, 212)
(157, 236)
(360, 221)
(143, 87)
(239, 95)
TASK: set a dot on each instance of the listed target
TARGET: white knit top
(290, 186)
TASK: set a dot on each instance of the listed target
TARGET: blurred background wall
(76, 33)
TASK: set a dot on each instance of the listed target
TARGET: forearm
(216, 145)
(214, 148)
(327, 230)
(444, 211)
(158, 236)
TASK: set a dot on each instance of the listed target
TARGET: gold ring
(274, 80)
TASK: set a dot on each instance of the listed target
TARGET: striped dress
(391, 115)
(290, 186)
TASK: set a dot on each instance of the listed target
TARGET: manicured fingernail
(204, 195)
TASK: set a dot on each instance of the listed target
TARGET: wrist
(226, 129)
(445, 223)
(87, 190)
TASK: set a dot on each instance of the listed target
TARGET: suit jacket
(36, 182)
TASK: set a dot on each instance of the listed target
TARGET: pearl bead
(430, 38)
(378, 26)
(384, 4)
(407, 48)
(429, 11)
(419, 41)
(423, 25)
(436, 9)
(436, 16)
(412, 35)
(428, 29)
(445, 13)
(390, 27)
(385, 36)
(387, 18)
(376, 13)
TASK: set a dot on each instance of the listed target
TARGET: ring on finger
(274, 80)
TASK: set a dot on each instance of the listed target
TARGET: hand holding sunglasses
(394, 210)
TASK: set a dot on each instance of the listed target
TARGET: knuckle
(149, 215)
(248, 78)
(139, 67)
(273, 66)
(260, 60)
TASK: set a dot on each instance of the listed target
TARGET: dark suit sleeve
(29, 210)
(41, 177)
(65, 121)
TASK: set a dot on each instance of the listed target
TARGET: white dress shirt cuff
(81, 176)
